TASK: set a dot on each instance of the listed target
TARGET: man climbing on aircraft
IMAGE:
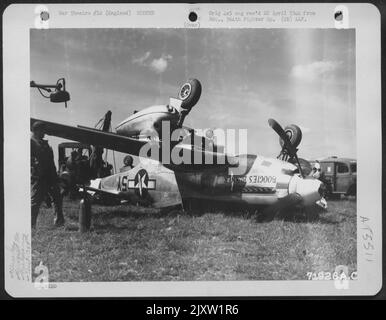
(44, 178)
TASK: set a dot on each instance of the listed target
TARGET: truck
(339, 175)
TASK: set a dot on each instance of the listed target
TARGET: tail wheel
(190, 93)
(294, 134)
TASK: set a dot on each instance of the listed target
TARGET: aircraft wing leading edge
(93, 137)
(117, 142)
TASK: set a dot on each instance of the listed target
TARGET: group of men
(45, 180)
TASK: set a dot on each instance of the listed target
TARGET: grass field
(135, 244)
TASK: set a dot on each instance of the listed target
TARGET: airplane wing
(132, 146)
(93, 137)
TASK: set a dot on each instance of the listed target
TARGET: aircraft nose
(311, 190)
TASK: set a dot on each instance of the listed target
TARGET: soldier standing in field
(44, 178)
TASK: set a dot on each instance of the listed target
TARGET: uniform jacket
(42, 161)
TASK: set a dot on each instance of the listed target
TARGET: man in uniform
(96, 161)
(317, 173)
(316, 170)
(73, 169)
(44, 178)
(128, 164)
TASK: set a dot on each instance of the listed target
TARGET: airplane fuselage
(160, 183)
(148, 120)
(266, 181)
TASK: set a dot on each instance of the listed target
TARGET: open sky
(300, 76)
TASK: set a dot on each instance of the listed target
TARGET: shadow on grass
(103, 215)
(297, 215)
(109, 227)
(320, 218)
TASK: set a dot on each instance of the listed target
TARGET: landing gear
(190, 93)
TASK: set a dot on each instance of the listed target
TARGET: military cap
(38, 125)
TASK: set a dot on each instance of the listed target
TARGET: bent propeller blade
(280, 131)
(287, 143)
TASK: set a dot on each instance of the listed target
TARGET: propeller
(291, 150)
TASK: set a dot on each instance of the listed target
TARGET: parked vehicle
(339, 175)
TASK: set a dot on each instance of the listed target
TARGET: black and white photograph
(288, 213)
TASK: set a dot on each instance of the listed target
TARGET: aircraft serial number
(262, 179)
(253, 179)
